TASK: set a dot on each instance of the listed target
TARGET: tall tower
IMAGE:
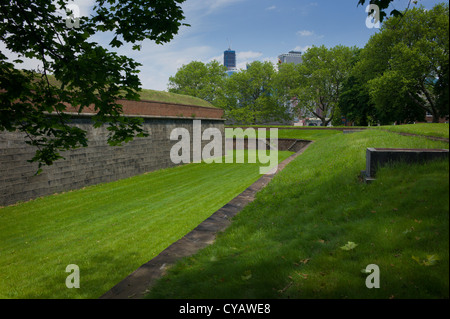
(229, 59)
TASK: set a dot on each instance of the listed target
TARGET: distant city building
(291, 57)
(229, 60)
(298, 119)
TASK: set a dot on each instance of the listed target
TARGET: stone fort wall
(99, 162)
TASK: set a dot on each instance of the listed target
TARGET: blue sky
(257, 29)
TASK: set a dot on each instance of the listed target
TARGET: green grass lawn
(288, 242)
(429, 129)
(303, 134)
(158, 96)
(312, 135)
(162, 96)
(109, 230)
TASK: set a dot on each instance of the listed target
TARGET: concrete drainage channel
(139, 283)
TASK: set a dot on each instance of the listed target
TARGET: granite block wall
(97, 163)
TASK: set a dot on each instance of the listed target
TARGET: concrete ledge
(377, 157)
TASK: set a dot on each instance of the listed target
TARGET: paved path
(138, 284)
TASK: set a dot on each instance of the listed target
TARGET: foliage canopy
(87, 73)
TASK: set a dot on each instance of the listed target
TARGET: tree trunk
(325, 122)
(436, 118)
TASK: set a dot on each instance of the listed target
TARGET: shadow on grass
(95, 276)
(287, 245)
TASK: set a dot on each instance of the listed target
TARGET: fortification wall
(99, 162)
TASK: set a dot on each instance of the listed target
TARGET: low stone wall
(97, 163)
(378, 157)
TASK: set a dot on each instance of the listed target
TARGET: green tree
(322, 76)
(205, 81)
(286, 81)
(355, 104)
(250, 95)
(75, 71)
(406, 65)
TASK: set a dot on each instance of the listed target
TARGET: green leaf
(83, 73)
(349, 246)
(247, 275)
(431, 260)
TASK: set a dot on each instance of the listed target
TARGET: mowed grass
(302, 134)
(158, 96)
(167, 97)
(288, 242)
(109, 230)
(428, 129)
(312, 135)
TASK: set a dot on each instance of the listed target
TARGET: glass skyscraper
(229, 59)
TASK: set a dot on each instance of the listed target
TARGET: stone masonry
(97, 163)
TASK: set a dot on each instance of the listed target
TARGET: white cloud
(84, 5)
(308, 33)
(218, 58)
(305, 33)
(243, 58)
(161, 62)
(80, 8)
(28, 64)
(273, 60)
(302, 48)
(248, 55)
(271, 8)
(202, 7)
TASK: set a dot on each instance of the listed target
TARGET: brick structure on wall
(163, 109)
(99, 162)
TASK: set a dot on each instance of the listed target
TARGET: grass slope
(426, 129)
(311, 135)
(287, 243)
(162, 96)
(159, 96)
(109, 230)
